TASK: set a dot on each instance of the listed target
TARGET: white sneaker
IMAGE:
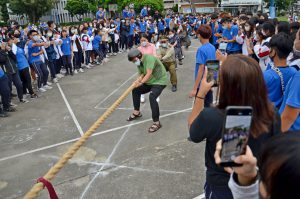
(107, 56)
(55, 80)
(49, 83)
(46, 87)
(81, 70)
(115, 54)
(157, 99)
(120, 52)
(42, 90)
(97, 63)
(143, 99)
(88, 66)
(106, 60)
(60, 75)
(75, 71)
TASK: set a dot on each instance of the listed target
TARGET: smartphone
(213, 71)
(235, 134)
(223, 47)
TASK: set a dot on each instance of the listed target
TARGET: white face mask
(170, 36)
(112, 25)
(247, 28)
(164, 45)
(137, 62)
(144, 43)
(36, 38)
(49, 34)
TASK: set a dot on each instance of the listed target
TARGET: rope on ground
(32, 194)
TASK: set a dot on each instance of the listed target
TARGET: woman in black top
(241, 84)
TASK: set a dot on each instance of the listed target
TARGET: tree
(34, 9)
(138, 4)
(3, 10)
(77, 7)
(281, 4)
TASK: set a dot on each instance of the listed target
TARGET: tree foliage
(77, 7)
(3, 11)
(281, 4)
(34, 9)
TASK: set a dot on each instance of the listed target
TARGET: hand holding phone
(213, 71)
(236, 132)
(223, 47)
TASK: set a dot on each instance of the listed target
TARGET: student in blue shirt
(161, 27)
(230, 31)
(23, 67)
(125, 12)
(131, 33)
(204, 53)
(290, 107)
(144, 12)
(151, 30)
(131, 13)
(96, 46)
(100, 14)
(67, 50)
(143, 26)
(34, 52)
(167, 24)
(280, 73)
(214, 27)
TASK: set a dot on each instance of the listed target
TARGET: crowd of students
(259, 68)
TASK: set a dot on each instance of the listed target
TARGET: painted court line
(126, 108)
(106, 163)
(202, 196)
(95, 134)
(70, 110)
(108, 96)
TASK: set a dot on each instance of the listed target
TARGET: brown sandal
(134, 117)
(155, 127)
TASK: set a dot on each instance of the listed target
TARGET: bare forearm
(197, 108)
(199, 75)
(288, 117)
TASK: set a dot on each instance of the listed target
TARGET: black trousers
(4, 92)
(15, 78)
(26, 81)
(155, 91)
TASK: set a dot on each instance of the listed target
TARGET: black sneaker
(10, 109)
(3, 113)
(13, 95)
(33, 96)
(174, 88)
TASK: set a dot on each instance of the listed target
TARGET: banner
(240, 2)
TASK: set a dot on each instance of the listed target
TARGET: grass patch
(282, 18)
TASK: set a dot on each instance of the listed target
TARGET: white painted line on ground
(202, 196)
(95, 134)
(108, 96)
(70, 110)
(126, 108)
(107, 162)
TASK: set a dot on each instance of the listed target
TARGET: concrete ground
(122, 160)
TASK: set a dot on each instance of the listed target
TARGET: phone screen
(213, 71)
(223, 47)
(236, 134)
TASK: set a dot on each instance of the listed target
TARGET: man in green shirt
(154, 81)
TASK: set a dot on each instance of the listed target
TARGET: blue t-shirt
(1, 73)
(132, 28)
(143, 26)
(32, 50)
(66, 46)
(161, 26)
(292, 98)
(205, 52)
(167, 20)
(125, 13)
(273, 83)
(230, 34)
(100, 14)
(151, 26)
(22, 61)
(96, 42)
(130, 14)
(144, 12)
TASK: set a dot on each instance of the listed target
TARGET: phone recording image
(213, 71)
(235, 135)
(223, 47)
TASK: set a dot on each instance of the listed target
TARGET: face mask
(73, 31)
(123, 21)
(247, 28)
(224, 27)
(36, 38)
(59, 30)
(137, 62)
(112, 25)
(49, 34)
(170, 36)
(144, 43)
(164, 45)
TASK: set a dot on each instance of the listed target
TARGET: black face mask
(17, 35)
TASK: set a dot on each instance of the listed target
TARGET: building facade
(197, 6)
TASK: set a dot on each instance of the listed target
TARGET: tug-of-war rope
(45, 180)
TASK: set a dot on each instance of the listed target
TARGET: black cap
(133, 54)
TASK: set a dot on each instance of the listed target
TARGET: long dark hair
(242, 84)
(279, 165)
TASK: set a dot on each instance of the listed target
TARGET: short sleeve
(30, 45)
(200, 59)
(293, 98)
(235, 31)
